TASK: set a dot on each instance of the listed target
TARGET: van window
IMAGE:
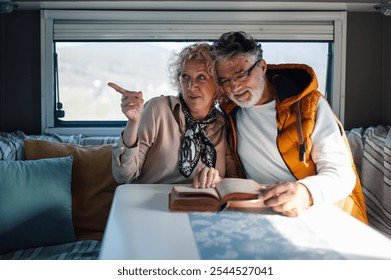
(83, 50)
(84, 68)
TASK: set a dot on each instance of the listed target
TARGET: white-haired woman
(175, 139)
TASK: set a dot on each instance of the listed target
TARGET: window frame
(168, 25)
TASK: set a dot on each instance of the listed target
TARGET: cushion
(11, 145)
(376, 174)
(35, 203)
(356, 146)
(93, 184)
(78, 250)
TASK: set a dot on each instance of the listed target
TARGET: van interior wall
(363, 69)
(368, 66)
(386, 92)
(20, 72)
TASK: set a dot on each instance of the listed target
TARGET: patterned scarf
(196, 143)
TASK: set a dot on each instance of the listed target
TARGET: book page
(238, 189)
(183, 191)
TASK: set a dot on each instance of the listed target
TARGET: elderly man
(283, 132)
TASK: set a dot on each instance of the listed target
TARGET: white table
(140, 226)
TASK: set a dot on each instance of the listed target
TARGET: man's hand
(288, 198)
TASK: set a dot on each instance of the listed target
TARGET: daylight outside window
(85, 68)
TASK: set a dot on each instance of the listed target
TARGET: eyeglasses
(240, 77)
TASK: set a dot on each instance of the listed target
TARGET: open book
(228, 194)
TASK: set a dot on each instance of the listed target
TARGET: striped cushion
(355, 138)
(99, 140)
(70, 139)
(11, 144)
(79, 250)
(376, 177)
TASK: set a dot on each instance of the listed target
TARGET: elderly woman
(174, 139)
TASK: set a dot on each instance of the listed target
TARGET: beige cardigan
(160, 133)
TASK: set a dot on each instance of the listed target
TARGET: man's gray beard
(255, 97)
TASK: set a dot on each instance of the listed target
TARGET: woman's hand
(288, 198)
(206, 177)
(132, 103)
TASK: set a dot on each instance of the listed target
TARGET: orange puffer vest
(296, 107)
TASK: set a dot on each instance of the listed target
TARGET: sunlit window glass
(84, 68)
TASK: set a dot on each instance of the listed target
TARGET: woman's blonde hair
(198, 51)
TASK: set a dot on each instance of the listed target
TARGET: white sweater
(257, 134)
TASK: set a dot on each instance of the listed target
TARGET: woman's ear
(263, 65)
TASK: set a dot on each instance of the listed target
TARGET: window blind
(181, 25)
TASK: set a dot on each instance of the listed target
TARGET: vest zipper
(302, 147)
